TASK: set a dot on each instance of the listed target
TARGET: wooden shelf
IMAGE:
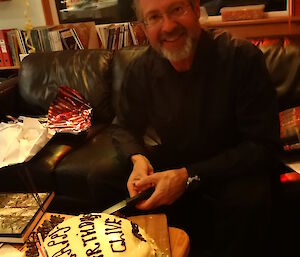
(267, 27)
(10, 68)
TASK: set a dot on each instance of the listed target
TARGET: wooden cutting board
(156, 227)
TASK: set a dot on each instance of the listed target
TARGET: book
(77, 39)
(6, 56)
(13, 46)
(19, 214)
(36, 41)
(1, 59)
(55, 40)
(21, 41)
(68, 39)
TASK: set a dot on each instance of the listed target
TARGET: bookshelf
(274, 24)
(267, 27)
(10, 68)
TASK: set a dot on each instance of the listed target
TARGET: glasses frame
(168, 15)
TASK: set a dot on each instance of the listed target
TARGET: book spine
(21, 42)
(6, 56)
(132, 34)
(13, 46)
(78, 42)
(1, 59)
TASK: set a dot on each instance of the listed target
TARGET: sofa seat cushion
(94, 172)
(37, 173)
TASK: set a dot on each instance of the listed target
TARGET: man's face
(172, 26)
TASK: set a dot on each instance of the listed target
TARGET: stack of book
(15, 42)
(118, 35)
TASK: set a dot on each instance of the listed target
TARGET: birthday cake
(99, 235)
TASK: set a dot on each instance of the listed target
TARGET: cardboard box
(247, 12)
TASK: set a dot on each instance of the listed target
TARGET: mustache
(178, 30)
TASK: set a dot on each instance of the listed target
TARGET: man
(208, 99)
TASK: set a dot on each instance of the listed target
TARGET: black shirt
(218, 119)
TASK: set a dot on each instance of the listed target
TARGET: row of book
(15, 43)
(119, 35)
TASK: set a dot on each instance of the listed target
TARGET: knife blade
(130, 201)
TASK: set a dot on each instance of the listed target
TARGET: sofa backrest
(283, 62)
(87, 71)
(121, 60)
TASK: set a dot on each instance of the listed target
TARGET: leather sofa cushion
(121, 60)
(95, 170)
(87, 71)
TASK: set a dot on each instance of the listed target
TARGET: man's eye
(153, 18)
(177, 10)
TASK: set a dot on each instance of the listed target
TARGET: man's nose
(168, 24)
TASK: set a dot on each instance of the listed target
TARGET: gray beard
(181, 54)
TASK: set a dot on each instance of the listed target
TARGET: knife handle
(132, 201)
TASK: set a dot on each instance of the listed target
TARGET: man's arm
(131, 119)
(257, 124)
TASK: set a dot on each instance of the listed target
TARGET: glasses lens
(153, 19)
(174, 12)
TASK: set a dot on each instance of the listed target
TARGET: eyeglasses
(175, 12)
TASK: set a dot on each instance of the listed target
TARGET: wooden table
(173, 241)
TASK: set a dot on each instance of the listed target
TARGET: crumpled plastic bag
(20, 141)
(69, 112)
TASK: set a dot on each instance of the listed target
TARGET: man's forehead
(152, 5)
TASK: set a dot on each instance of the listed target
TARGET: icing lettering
(64, 251)
(58, 237)
(87, 240)
(53, 242)
(91, 252)
(59, 232)
(118, 245)
(87, 228)
(113, 226)
(90, 217)
(86, 223)
(136, 232)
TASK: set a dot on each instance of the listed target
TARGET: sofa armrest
(8, 97)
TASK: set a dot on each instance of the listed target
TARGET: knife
(130, 201)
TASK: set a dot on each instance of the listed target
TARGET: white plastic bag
(20, 141)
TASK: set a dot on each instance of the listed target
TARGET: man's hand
(169, 186)
(141, 169)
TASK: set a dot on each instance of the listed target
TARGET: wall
(12, 14)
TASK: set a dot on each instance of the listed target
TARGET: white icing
(98, 235)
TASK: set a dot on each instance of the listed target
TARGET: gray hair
(136, 8)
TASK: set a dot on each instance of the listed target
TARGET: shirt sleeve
(257, 125)
(131, 117)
